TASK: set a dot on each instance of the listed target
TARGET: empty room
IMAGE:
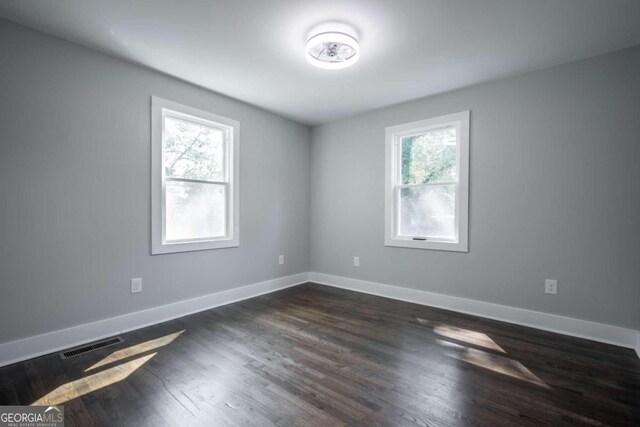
(319, 213)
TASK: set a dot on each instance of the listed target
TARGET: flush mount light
(332, 50)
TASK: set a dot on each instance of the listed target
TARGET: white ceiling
(253, 50)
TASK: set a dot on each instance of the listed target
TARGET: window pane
(428, 211)
(192, 150)
(194, 210)
(429, 157)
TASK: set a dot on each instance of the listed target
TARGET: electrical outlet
(136, 285)
(281, 260)
(356, 261)
(551, 287)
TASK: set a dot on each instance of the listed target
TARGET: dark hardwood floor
(315, 355)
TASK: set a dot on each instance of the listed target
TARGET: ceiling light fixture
(332, 50)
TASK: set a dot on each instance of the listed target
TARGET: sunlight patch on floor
(493, 362)
(466, 335)
(470, 337)
(134, 350)
(91, 383)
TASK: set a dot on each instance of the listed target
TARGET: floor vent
(77, 351)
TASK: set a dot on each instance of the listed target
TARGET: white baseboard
(601, 332)
(50, 342)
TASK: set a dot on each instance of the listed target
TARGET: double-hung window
(427, 183)
(194, 179)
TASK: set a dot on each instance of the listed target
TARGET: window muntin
(427, 183)
(194, 187)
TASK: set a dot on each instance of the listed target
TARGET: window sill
(169, 248)
(434, 245)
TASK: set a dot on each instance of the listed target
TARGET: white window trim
(158, 246)
(393, 135)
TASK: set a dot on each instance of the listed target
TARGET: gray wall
(75, 189)
(554, 193)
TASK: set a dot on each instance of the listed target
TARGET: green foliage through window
(192, 151)
(429, 157)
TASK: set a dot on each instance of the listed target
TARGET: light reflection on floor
(91, 383)
(465, 335)
(460, 334)
(484, 359)
(493, 362)
(135, 350)
(109, 376)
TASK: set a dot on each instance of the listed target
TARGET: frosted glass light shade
(332, 50)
